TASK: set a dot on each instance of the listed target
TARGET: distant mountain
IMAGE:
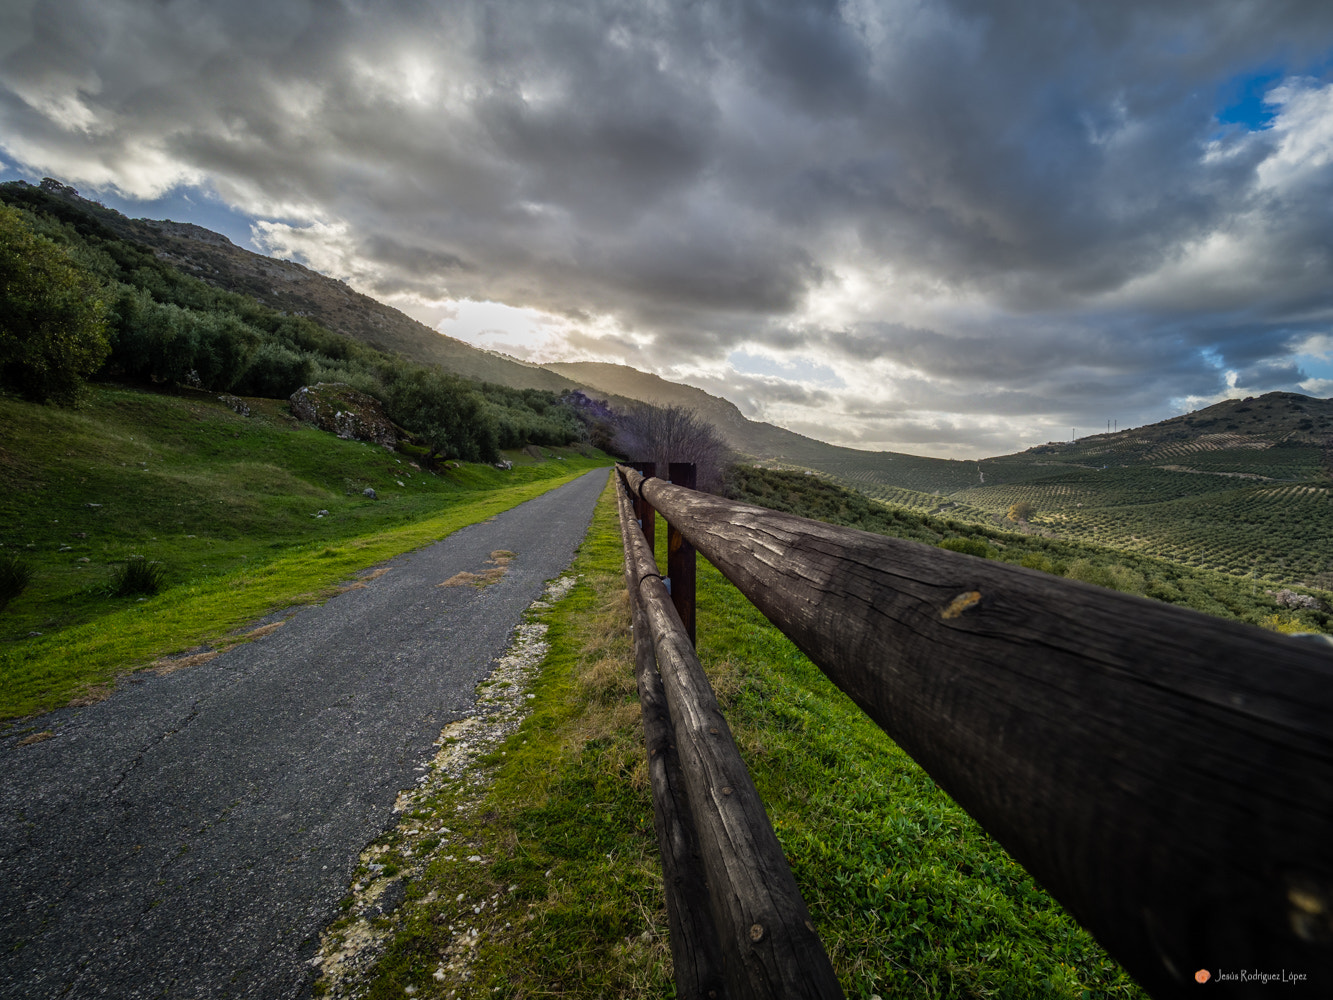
(1276, 420)
(1273, 420)
(748, 437)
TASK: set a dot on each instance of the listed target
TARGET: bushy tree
(444, 414)
(1022, 511)
(53, 331)
(665, 434)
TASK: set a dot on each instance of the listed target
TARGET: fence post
(680, 556)
(696, 958)
(643, 510)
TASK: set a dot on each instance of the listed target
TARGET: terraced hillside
(1242, 487)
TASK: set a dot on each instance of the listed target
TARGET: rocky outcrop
(339, 409)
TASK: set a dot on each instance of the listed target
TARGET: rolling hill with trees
(1241, 487)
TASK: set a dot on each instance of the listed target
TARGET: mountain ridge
(297, 289)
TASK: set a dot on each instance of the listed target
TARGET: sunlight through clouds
(881, 223)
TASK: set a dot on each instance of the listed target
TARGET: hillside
(1242, 487)
(256, 512)
(750, 438)
(293, 288)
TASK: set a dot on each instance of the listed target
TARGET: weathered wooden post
(643, 510)
(680, 555)
(695, 954)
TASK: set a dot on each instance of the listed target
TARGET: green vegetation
(1241, 487)
(137, 575)
(65, 267)
(15, 575)
(236, 515)
(911, 898)
(1193, 586)
(52, 319)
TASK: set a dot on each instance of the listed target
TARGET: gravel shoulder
(192, 835)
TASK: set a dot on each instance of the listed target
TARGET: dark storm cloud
(704, 173)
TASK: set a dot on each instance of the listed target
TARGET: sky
(956, 228)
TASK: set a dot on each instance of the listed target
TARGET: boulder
(339, 409)
(236, 403)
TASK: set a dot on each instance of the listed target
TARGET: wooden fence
(1167, 776)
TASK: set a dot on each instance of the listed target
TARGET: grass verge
(232, 517)
(911, 897)
(48, 671)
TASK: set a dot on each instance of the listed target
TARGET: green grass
(911, 898)
(242, 516)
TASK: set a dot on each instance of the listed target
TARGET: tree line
(78, 303)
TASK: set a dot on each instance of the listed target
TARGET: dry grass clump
(500, 560)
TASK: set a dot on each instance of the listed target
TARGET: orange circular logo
(1202, 976)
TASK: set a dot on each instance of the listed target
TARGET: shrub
(1107, 575)
(1022, 511)
(447, 417)
(52, 317)
(137, 575)
(970, 546)
(15, 575)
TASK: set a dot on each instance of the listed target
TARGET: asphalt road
(191, 836)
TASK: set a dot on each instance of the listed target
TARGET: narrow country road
(191, 836)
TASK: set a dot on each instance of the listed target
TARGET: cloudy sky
(954, 228)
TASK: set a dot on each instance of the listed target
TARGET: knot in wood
(960, 604)
(756, 931)
(726, 790)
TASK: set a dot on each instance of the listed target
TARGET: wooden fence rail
(739, 927)
(1167, 776)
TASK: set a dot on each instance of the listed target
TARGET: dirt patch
(499, 560)
(170, 664)
(91, 695)
(360, 582)
(36, 738)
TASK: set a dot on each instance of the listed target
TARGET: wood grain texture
(768, 943)
(695, 955)
(680, 557)
(1166, 775)
(643, 510)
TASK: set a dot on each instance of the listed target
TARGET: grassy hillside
(1242, 487)
(1172, 581)
(292, 288)
(83, 300)
(250, 511)
(910, 897)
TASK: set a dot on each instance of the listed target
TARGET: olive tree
(444, 414)
(53, 316)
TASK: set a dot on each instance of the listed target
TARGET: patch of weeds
(137, 575)
(15, 575)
